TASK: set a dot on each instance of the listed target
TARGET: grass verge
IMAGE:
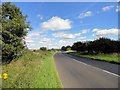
(113, 58)
(32, 70)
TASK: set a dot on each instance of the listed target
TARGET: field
(32, 70)
(104, 57)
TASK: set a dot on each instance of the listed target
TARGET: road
(76, 72)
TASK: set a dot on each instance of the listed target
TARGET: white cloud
(35, 34)
(40, 16)
(118, 9)
(32, 38)
(85, 31)
(56, 23)
(81, 38)
(105, 32)
(107, 8)
(66, 35)
(46, 40)
(85, 14)
(61, 43)
(28, 39)
(31, 45)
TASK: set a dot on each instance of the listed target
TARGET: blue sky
(58, 24)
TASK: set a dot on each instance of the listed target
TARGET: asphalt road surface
(76, 72)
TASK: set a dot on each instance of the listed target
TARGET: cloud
(81, 38)
(28, 39)
(118, 9)
(34, 34)
(107, 8)
(56, 23)
(66, 35)
(85, 31)
(51, 43)
(31, 45)
(85, 14)
(105, 32)
(61, 43)
(40, 16)
(47, 42)
(31, 36)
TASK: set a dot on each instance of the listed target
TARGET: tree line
(101, 45)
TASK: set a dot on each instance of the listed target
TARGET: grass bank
(113, 58)
(32, 70)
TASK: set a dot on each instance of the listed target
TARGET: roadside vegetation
(35, 69)
(113, 57)
(100, 49)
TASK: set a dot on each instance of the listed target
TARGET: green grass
(104, 57)
(69, 51)
(32, 70)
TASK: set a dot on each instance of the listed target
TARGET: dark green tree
(63, 48)
(79, 46)
(68, 48)
(102, 45)
(14, 29)
(43, 48)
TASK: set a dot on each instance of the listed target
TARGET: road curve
(78, 74)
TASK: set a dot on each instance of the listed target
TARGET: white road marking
(110, 73)
(97, 68)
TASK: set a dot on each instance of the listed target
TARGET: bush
(43, 48)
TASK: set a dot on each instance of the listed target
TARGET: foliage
(14, 28)
(66, 48)
(63, 48)
(43, 48)
(32, 70)
(113, 57)
(101, 45)
(79, 46)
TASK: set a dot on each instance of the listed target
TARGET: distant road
(76, 72)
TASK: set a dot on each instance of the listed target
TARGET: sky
(57, 24)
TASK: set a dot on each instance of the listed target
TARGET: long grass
(32, 70)
(104, 57)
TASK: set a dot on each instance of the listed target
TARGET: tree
(43, 48)
(102, 45)
(14, 29)
(63, 48)
(90, 47)
(68, 48)
(79, 46)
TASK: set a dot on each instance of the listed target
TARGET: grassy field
(32, 70)
(105, 57)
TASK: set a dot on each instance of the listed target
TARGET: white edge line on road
(97, 68)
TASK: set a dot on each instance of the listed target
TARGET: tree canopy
(43, 48)
(101, 45)
(14, 29)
